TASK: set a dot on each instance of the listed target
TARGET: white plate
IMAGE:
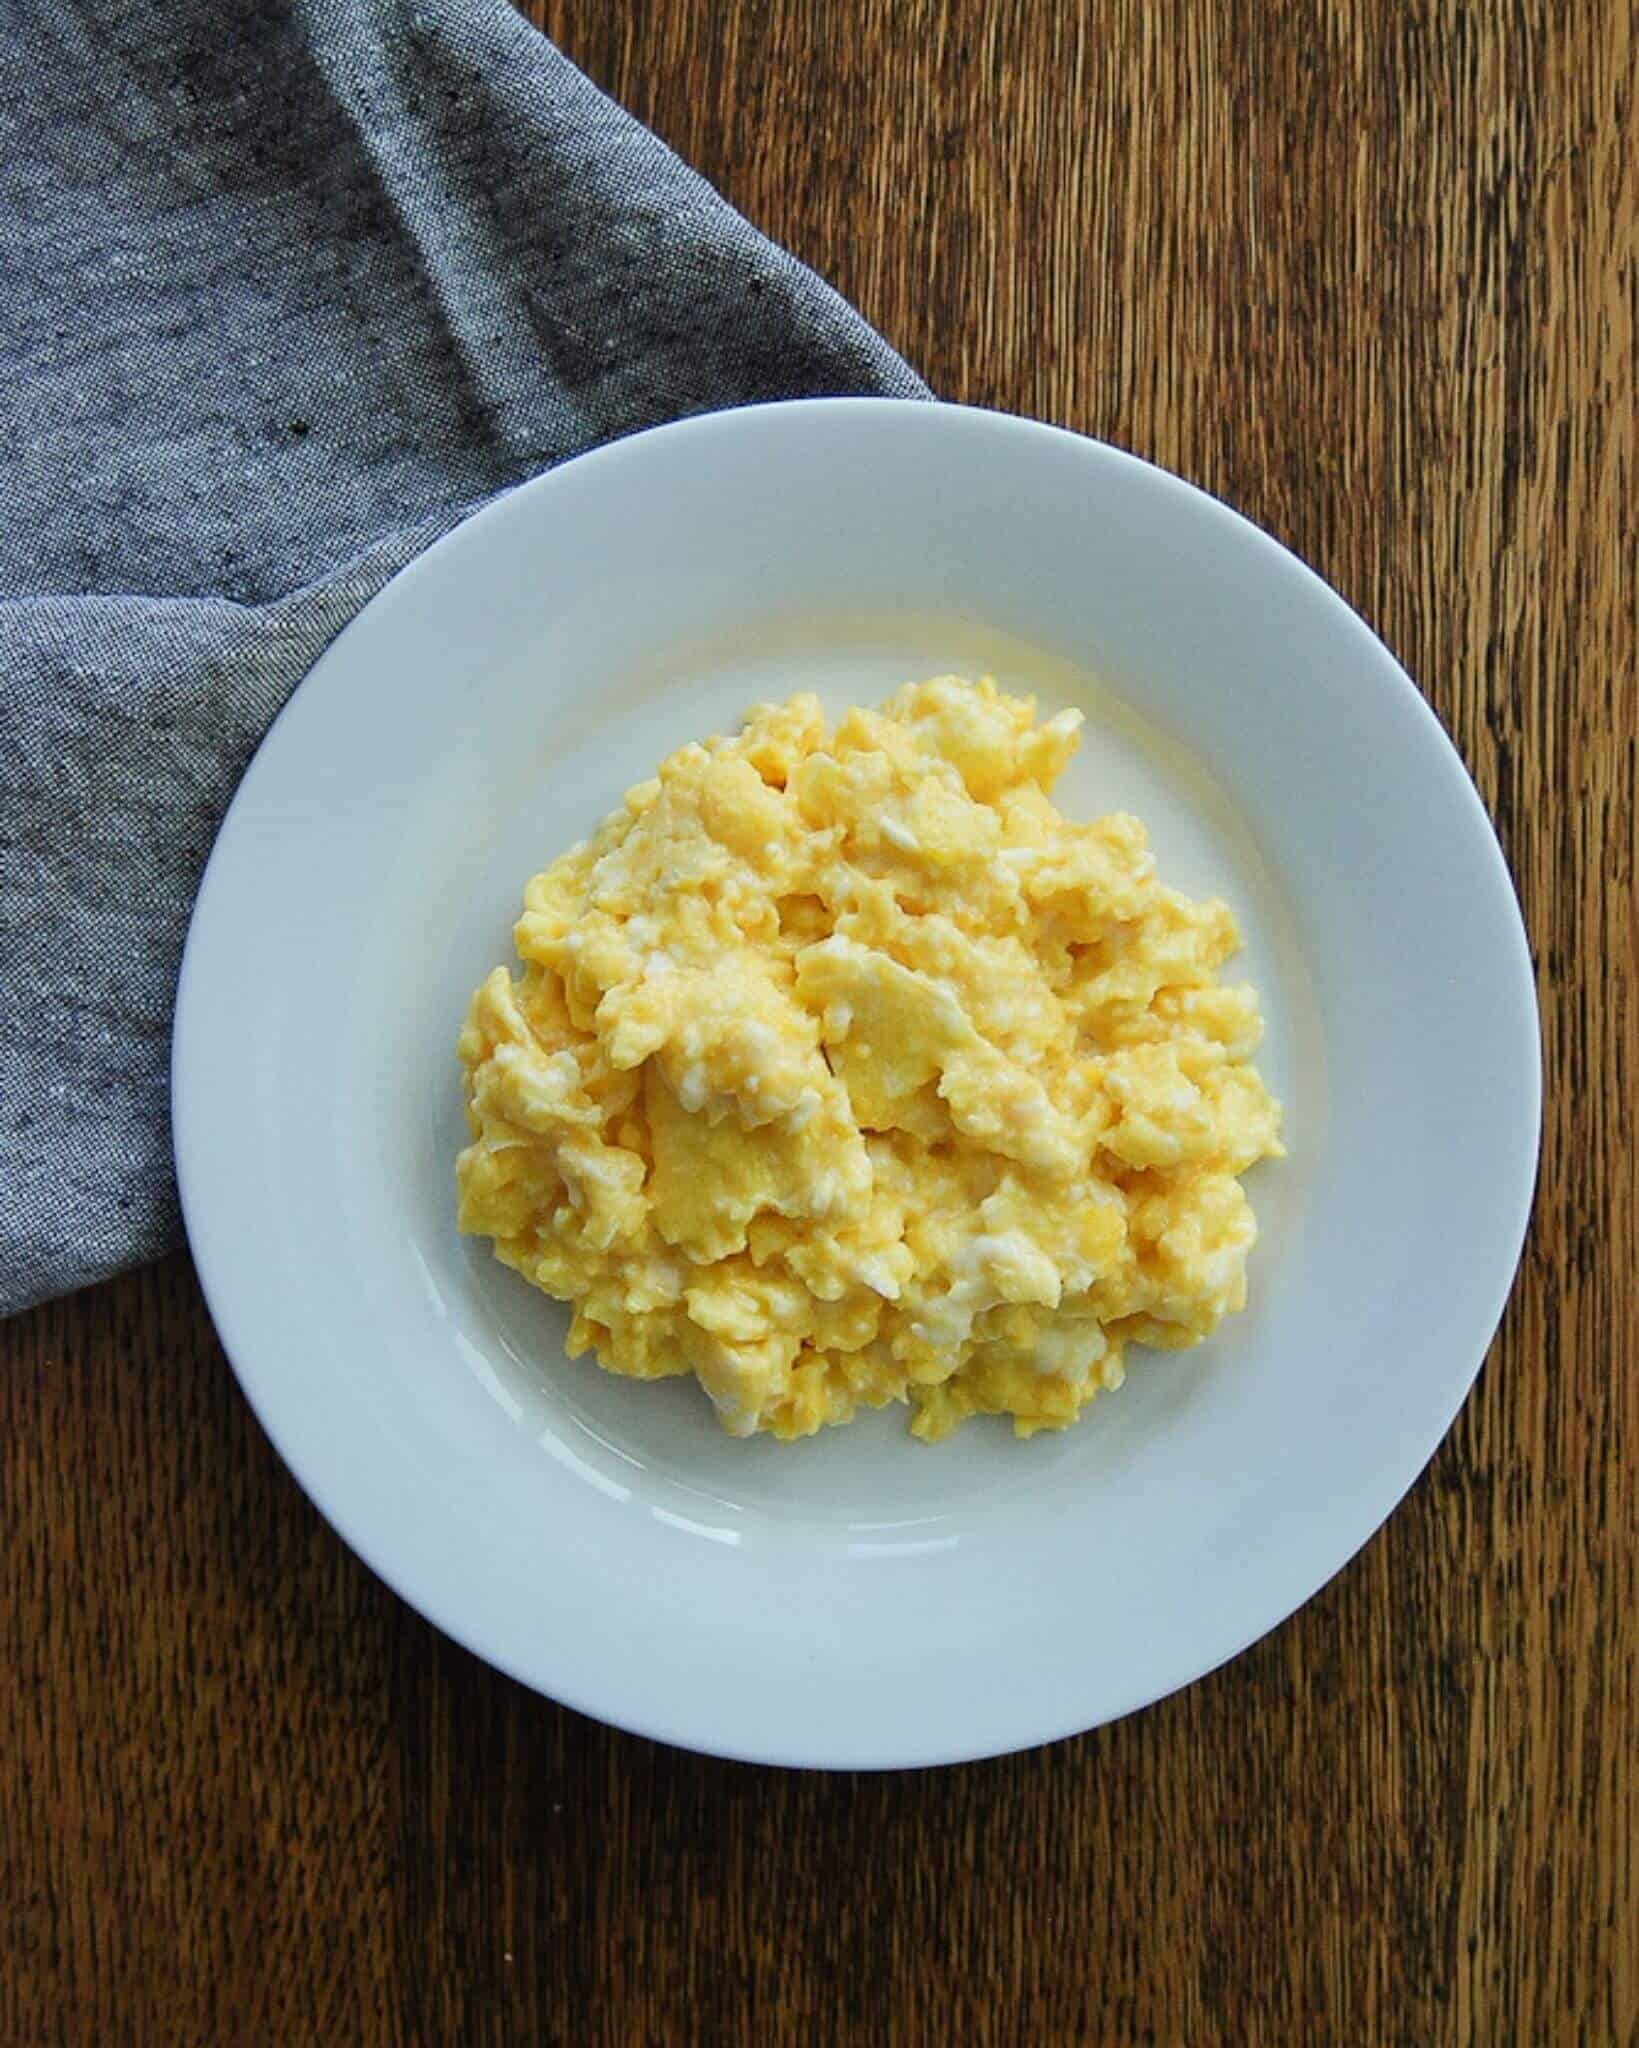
(858, 1599)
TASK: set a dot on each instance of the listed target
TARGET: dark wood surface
(1367, 271)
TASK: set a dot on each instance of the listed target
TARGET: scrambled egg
(842, 1069)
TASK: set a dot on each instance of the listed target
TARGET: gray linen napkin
(284, 290)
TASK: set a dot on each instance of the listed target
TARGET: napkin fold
(284, 292)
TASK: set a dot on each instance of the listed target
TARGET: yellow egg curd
(843, 1070)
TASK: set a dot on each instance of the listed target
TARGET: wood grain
(1367, 270)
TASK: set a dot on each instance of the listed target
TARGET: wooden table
(1367, 271)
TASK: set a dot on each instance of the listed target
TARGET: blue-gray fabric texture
(284, 291)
